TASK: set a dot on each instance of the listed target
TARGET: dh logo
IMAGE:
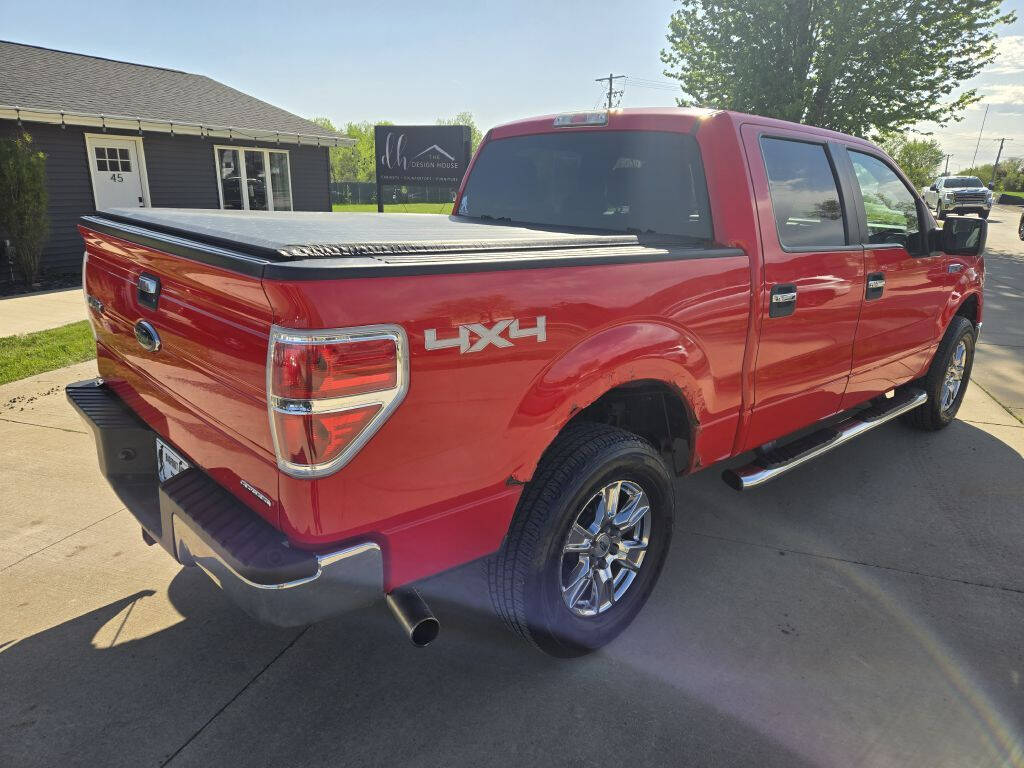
(393, 156)
(486, 336)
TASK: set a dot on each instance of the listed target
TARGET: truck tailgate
(204, 388)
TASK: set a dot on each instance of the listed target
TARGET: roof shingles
(43, 78)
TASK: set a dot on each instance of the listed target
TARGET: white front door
(118, 179)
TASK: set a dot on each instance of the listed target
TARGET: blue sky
(413, 62)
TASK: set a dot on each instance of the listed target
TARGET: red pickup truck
(321, 409)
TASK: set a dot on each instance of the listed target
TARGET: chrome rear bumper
(200, 523)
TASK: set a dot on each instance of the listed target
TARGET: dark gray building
(117, 134)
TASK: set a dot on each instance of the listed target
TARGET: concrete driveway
(865, 610)
(999, 363)
(33, 312)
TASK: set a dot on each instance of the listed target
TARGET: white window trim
(267, 151)
(140, 155)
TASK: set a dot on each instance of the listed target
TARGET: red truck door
(906, 286)
(813, 274)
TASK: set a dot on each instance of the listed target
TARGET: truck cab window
(890, 207)
(805, 196)
(622, 181)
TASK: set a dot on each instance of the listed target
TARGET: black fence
(365, 192)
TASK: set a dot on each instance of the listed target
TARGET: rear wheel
(587, 542)
(947, 378)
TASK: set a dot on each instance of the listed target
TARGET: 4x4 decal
(486, 336)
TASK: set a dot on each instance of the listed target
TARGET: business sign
(421, 154)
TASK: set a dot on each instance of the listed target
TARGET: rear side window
(805, 195)
(622, 181)
(890, 208)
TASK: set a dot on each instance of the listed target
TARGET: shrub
(23, 202)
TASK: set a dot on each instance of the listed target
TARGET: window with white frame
(253, 179)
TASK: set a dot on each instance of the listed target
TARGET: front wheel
(983, 214)
(1020, 227)
(587, 542)
(940, 214)
(947, 377)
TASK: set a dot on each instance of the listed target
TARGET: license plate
(168, 462)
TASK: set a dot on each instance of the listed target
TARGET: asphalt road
(863, 611)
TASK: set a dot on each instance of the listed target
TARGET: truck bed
(304, 246)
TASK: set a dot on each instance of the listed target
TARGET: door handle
(148, 291)
(875, 286)
(954, 268)
(783, 300)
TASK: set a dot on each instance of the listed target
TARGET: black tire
(983, 214)
(1020, 227)
(932, 416)
(939, 213)
(526, 575)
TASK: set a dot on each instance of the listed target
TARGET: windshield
(623, 181)
(960, 182)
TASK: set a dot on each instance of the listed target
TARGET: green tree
(1009, 177)
(355, 163)
(361, 162)
(336, 153)
(23, 202)
(856, 67)
(919, 158)
(464, 118)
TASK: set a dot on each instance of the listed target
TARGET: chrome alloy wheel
(954, 376)
(605, 548)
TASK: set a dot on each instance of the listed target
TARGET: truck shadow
(716, 670)
(347, 692)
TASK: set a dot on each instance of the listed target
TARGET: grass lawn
(32, 353)
(444, 208)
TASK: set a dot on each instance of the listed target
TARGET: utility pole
(983, 119)
(999, 154)
(946, 171)
(612, 93)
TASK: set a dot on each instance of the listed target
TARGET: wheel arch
(969, 307)
(647, 377)
(966, 301)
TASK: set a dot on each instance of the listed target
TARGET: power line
(654, 85)
(612, 93)
(983, 119)
(656, 80)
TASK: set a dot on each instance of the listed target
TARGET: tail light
(330, 391)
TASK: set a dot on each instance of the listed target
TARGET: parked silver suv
(959, 194)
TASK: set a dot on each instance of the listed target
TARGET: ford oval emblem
(147, 336)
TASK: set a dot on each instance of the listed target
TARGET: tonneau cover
(297, 235)
(306, 245)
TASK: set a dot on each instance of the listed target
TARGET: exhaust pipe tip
(415, 617)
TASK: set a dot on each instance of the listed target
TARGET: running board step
(777, 461)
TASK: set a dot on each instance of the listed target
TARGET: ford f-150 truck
(320, 410)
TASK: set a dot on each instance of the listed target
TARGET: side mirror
(961, 236)
(933, 188)
(990, 185)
